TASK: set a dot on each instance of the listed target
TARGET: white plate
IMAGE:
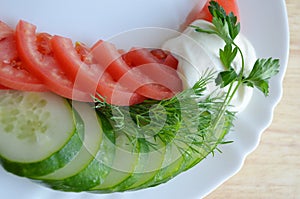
(264, 22)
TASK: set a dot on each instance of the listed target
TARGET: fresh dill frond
(185, 120)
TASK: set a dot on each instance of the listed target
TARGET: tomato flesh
(135, 79)
(159, 54)
(45, 66)
(165, 58)
(12, 71)
(171, 61)
(155, 66)
(78, 65)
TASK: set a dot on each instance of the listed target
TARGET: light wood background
(272, 171)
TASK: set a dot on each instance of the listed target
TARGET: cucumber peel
(33, 142)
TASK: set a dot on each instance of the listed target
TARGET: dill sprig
(185, 120)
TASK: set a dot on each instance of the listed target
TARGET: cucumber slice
(91, 143)
(190, 154)
(97, 170)
(125, 161)
(171, 166)
(211, 143)
(39, 132)
(136, 175)
(150, 162)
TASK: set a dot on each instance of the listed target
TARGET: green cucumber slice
(136, 175)
(91, 143)
(125, 161)
(39, 132)
(92, 163)
(171, 166)
(190, 154)
(211, 143)
(149, 164)
(97, 170)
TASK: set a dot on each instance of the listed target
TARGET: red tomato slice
(4, 87)
(155, 67)
(171, 61)
(5, 30)
(84, 52)
(108, 57)
(43, 43)
(12, 72)
(44, 66)
(159, 54)
(228, 5)
(165, 58)
(202, 12)
(78, 65)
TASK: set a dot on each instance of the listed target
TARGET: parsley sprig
(227, 27)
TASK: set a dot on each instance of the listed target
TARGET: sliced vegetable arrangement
(99, 119)
(33, 61)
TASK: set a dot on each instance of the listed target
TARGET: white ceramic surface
(264, 22)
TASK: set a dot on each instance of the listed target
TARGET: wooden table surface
(272, 171)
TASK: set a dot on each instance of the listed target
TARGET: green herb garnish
(193, 122)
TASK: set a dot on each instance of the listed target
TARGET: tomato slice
(154, 66)
(5, 30)
(80, 67)
(159, 54)
(202, 12)
(171, 61)
(108, 57)
(4, 87)
(228, 5)
(44, 66)
(165, 58)
(12, 71)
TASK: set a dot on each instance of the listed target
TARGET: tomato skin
(4, 87)
(78, 65)
(228, 5)
(5, 30)
(12, 72)
(201, 11)
(44, 66)
(108, 57)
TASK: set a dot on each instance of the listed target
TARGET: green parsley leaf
(216, 10)
(222, 30)
(226, 77)
(233, 25)
(262, 71)
(227, 25)
(198, 29)
(227, 55)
